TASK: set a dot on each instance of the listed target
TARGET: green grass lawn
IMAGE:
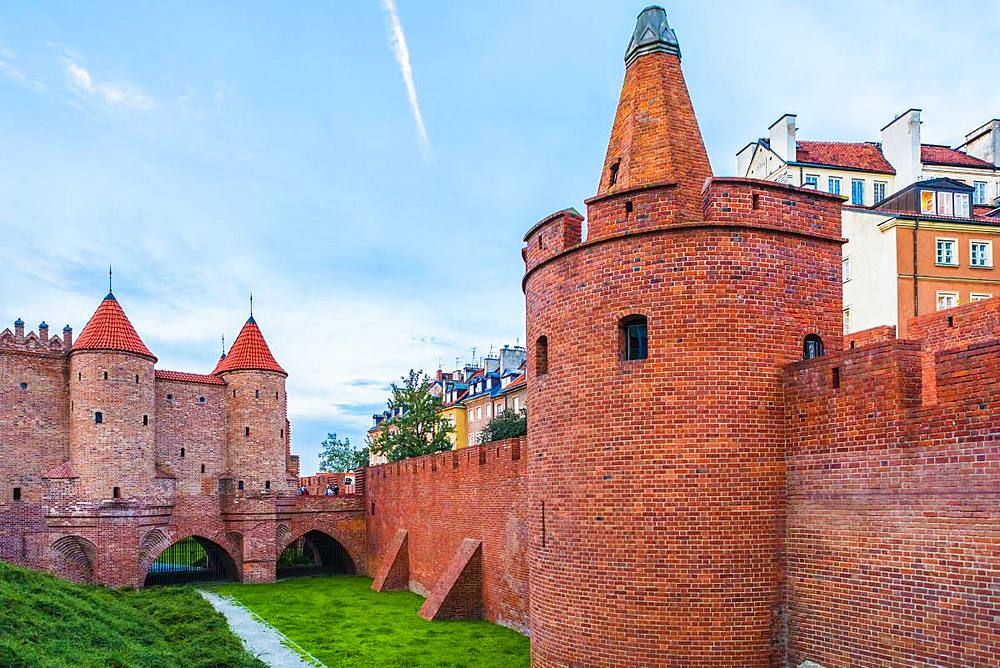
(46, 622)
(342, 622)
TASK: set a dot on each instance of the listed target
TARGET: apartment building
(892, 227)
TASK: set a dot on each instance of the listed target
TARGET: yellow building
(455, 414)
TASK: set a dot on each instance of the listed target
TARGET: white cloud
(398, 41)
(117, 95)
(15, 74)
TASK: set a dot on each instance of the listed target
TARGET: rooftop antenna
(223, 345)
(109, 279)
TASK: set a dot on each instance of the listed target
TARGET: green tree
(507, 424)
(418, 428)
(340, 455)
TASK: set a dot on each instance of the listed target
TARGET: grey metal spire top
(652, 33)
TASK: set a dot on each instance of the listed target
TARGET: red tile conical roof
(110, 329)
(249, 352)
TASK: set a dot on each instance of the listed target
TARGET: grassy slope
(47, 622)
(344, 623)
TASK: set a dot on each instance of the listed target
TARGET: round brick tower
(257, 414)
(655, 350)
(111, 436)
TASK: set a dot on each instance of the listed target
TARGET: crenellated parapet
(32, 342)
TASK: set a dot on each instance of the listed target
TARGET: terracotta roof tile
(186, 377)
(852, 155)
(109, 329)
(249, 352)
(933, 154)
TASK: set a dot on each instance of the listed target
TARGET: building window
(267, 484)
(542, 356)
(170, 397)
(878, 189)
(857, 192)
(202, 468)
(927, 201)
(246, 431)
(234, 394)
(239, 485)
(116, 493)
(962, 205)
(979, 297)
(811, 181)
(24, 386)
(946, 300)
(979, 194)
(613, 172)
(846, 269)
(145, 420)
(632, 335)
(947, 252)
(833, 184)
(182, 452)
(201, 400)
(981, 253)
(256, 394)
(812, 347)
(105, 375)
(17, 493)
(136, 379)
(847, 320)
(98, 417)
(944, 204)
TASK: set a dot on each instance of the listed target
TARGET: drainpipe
(916, 293)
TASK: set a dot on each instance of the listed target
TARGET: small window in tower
(613, 172)
(24, 386)
(145, 420)
(98, 417)
(79, 376)
(136, 379)
(542, 356)
(170, 397)
(246, 431)
(633, 340)
(281, 432)
(267, 484)
(201, 400)
(234, 394)
(373, 507)
(239, 485)
(105, 375)
(116, 493)
(17, 493)
(812, 347)
(275, 395)
(835, 377)
(202, 468)
(256, 394)
(182, 452)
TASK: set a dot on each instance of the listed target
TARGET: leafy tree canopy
(340, 455)
(506, 424)
(418, 428)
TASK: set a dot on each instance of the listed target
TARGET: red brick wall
(441, 499)
(892, 513)
(184, 421)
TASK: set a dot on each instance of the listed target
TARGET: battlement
(31, 342)
(482, 458)
(768, 205)
(551, 236)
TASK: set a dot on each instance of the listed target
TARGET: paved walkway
(260, 638)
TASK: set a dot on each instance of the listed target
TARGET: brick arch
(73, 558)
(354, 549)
(148, 556)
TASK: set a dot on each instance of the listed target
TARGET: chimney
(655, 137)
(984, 142)
(901, 147)
(67, 337)
(511, 358)
(19, 330)
(491, 363)
(43, 331)
(782, 134)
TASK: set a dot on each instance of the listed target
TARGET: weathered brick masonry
(106, 461)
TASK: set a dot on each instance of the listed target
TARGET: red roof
(933, 154)
(249, 351)
(851, 155)
(109, 329)
(185, 377)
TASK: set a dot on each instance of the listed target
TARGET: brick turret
(657, 462)
(257, 414)
(111, 434)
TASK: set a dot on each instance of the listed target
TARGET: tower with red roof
(112, 407)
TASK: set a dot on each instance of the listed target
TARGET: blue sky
(211, 149)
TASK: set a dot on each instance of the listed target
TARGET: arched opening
(633, 342)
(194, 559)
(812, 347)
(314, 553)
(542, 356)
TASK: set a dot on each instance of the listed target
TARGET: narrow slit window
(17, 493)
(98, 417)
(613, 172)
(256, 394)
(542, 356)
(116, 493)
(202, 468)
(267, 484)
(145, 420)
(239, 485)
(836, 377)
(182, 452)
(633, 337)
(246, 431)
(136, 379)
(105, 375)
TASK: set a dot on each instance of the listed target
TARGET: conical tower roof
(655, 139)
(110, 329)
(249, 352)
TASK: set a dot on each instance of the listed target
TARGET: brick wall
(442, 499)
(191, 417)
(892, 513)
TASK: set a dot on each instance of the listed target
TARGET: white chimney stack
(783, 137)
(984, 142)
(901, 147)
